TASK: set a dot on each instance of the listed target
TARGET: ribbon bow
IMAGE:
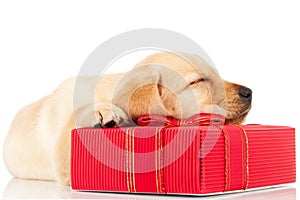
(202, 119)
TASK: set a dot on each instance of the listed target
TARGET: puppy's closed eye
(198, 81)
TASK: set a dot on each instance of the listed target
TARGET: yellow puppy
(177, 85)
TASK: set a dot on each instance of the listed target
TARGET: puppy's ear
(139, 92)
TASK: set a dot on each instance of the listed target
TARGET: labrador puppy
(177, 85)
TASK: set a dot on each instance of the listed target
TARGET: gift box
(198, 155)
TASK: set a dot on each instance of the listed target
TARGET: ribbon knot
(202, 119)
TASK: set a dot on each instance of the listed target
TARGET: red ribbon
(202, 119)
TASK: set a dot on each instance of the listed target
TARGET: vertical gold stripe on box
(245, 163)
(127, 159)
(130, 158)
(132, 153)
(227, 160)
(159, 161)
(156, 162)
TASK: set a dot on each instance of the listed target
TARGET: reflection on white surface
(18, 188)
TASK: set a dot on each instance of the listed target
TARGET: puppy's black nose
(245, 93)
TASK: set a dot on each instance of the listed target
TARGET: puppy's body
(32, 148)
(38, 143)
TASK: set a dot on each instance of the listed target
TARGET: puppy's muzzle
(245, 94)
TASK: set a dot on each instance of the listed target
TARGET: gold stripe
(246, 156)
(156, 163)
(133, 175)
(227, 160)
(159, 159)
(127, 159)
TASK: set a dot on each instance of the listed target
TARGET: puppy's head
(180, 85)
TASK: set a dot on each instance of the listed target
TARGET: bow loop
(202, 119)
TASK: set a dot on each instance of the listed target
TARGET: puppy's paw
(109, 116)
(100, 115)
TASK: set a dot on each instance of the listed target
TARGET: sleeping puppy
(170, 84)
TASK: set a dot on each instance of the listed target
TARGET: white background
(255, 43)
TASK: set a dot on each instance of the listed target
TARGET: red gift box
(194, 156)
